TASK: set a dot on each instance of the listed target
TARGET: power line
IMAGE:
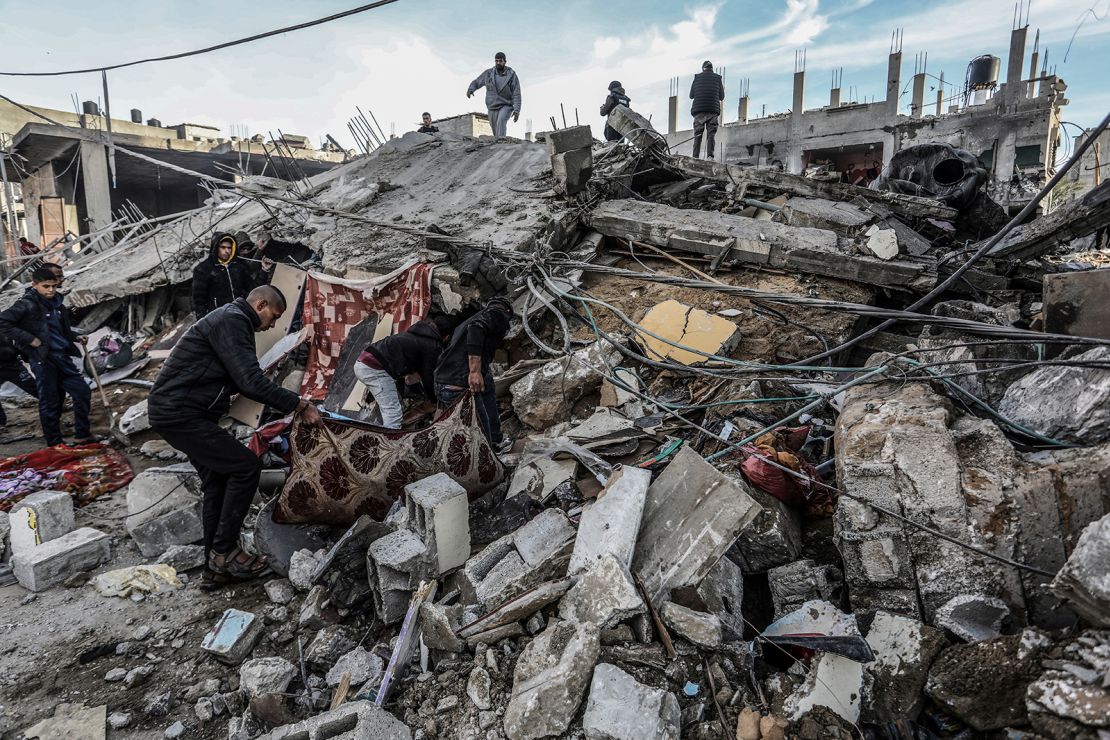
(225, 45)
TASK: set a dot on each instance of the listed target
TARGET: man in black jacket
(38, 326)
(426, 126)
(220, 278)
(616, 97)
(707, 91)
(214, 360)
(410, 355)
(465, 365)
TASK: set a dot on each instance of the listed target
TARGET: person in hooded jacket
(409, 356)
(220, 278)
(616, 97)
(465, 365)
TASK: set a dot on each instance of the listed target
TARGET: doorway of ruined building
(855, 164)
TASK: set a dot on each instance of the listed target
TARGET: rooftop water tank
(983, 72)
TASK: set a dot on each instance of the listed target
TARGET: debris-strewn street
(759, 455)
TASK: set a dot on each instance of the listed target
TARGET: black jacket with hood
(616, 97)
(217, 283)
(414, 351)
(480, 335)
(25, 321)
(214, 360)
(707, 91)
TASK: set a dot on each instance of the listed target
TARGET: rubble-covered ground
(755, 491)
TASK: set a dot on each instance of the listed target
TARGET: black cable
(217, 47)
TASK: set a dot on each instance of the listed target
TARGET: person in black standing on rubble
(465, 365)
(426, 125)
(221, 277)
(410, 358)
(616, 97)
(707, 91)
(214, 360)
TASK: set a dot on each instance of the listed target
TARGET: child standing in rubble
(38, 326)
(221, 277)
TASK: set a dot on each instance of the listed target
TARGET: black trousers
(56, 377)
(707, 123)
(16, 374)
(228, 472)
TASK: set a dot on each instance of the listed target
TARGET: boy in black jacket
(221, 277)
(398, 357)
(39, 328)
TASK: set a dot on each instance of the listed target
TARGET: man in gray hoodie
(502, 93)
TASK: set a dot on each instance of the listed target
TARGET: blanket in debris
(333, 307)
(84, 471)
(342, 470)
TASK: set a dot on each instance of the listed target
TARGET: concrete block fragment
(773, 539)
(183, 557)
(354, 720)
(1069, 403)
(263, 676)
(610, 524)
(540, 477)
(622, 708)
(362, 664)
(692, 515)
(721, 592)
(40, 517)
(438, 625)
(163, 505)
(1084, 580)
(691, 327)
(604, 595)
(572, 170)
(501, 580)
(52, 562)
(883, 243)
(233, 637)
(542, 537)
(796, 583)
(546, 395)
(893, 683)
(329, 645)
(697, 627)
(550, 680)
(439, 514)
(569, 139)
(395, 565)
(832, 681)
(519, 607)
(973, 617)
(478, 688)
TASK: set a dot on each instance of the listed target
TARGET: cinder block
(394, 565)
(610, 524)
(233, 637)
(39, 518)
(569, 139)
(439, 513)
(352, 721)
(50, 563)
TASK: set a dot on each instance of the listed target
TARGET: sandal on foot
(232, 566)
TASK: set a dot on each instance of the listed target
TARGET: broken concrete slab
(904, 649)
(546, 395)
(692, 515)
(542, 537)
(354, 720)
(54, 561)
(70, 722)
(438, 625)
(1072, 697)
(518, 607)
(679, 324)
(609, 525)
(804, 580)
(700, 628)
(233, 637)
(1069, 403)
(622, 708)
(774, 537)
(360, 664)
(1084, 581)
(604, 595)
(163, 506)
(973, 617)
(820, 213)
(984, 683)
(330, 644)
(832, 681)
(572, 170)
(550, 680)
(541, 477)
(721, 593)
(38, 518)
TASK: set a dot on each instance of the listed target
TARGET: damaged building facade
(1012, 126)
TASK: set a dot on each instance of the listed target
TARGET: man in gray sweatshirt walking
(502, 93)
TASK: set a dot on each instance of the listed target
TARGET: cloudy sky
(418, 55)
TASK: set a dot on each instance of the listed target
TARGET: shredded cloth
(346, 469)
(332, 307)
(782, 446)
(85, 472)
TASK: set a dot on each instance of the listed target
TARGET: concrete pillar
(917, 107)
(94, 176)
(940, 100)
(1017, 56)
(742, 110)
(672, 114)
(893, 83)
(834, 97)
(1033, 73)
(794, 144)
(40, 183)
(799, 93)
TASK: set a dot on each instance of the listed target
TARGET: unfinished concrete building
(64, 182)
(1012, 126)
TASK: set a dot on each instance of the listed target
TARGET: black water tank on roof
(983, 72)
(89, 108)
(154, 122)
(136, 115)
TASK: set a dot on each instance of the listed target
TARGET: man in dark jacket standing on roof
(213, 361)
(221, 277)
(409, 356)
(465, 365)
(707, 91)
(502, 93)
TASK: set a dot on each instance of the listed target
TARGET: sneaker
(505, 446)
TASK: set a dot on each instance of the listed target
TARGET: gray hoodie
(501, 90)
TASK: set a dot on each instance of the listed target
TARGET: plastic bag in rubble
(538, 448)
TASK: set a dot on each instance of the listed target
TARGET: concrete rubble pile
(701, 531)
